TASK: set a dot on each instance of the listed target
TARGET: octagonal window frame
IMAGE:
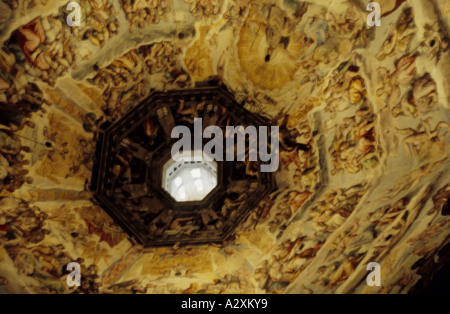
(111, 135)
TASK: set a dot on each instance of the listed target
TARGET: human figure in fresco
(7, 64)
(9, 144)
(278, 30)
(399, 36)
(121, 169)
(416, 138)
(4, 168)
(30, 37)
(4, 84)
(441, 202)
(13, 4)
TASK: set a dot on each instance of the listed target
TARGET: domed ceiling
(363, 116)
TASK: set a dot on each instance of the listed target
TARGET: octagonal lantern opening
(190, 177)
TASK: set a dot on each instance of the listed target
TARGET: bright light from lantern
(196, 173)
(178, 182)
(188, 179)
